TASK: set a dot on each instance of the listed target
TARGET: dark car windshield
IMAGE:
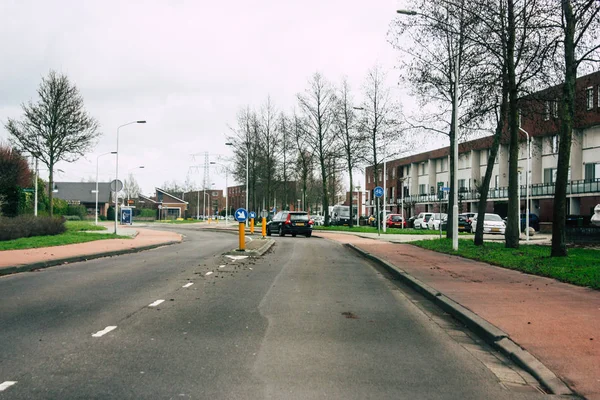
(427, 218)
(396, 218)
(299, 217)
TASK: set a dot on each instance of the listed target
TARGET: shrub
(147, 213)
(110, 213)
(60, 206)
(79, 210)
(27, 226)
(72, 217)
(102, 218)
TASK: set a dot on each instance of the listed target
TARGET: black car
(290, 222)
(463, 224)
(534, 222)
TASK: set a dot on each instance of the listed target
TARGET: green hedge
(27, 226)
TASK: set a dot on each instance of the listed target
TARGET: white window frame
(555, 109)
(589, 98)
(547, 111)
(554, 143)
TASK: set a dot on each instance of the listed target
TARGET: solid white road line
(104, 331)
(188, 284)
(6, 385)
(208, 273)
(157, 302)
(222, 266)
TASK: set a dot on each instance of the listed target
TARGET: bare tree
(381, 124)
(56, 128)
(352, 139)
(580, 26)
(305, 158)
(270, 138)
(131, 188)
(317, 104)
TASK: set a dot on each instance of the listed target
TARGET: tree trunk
(559, 246)
(325, 194)
(453, 190)
(485, 185)
(351, 223)
(514, 223)
(50, 189)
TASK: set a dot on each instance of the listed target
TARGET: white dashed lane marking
(104, 331)
(188, 284)
(157, 302)
(6, 385)
(208, 273)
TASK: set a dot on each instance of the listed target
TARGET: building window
(422, 169)
(496, 181)
(549, 176)
(592, 171)
(393, 192)
(422, 188)
(369, 178)
(393, 172)
(546, 111)
(589, 97)
(555, 144)
(555, 109)
(462, 183)
(519, 115)
(598, 96)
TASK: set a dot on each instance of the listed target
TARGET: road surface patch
(104, 331)
(157, 302)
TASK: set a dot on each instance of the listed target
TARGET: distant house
(84, 193)
(169, 206)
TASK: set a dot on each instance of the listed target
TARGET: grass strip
(35, 242)
(80, 226)
(581, 267)
(390, 231)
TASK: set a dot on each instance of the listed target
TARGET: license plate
(495, 229)
(299, 223)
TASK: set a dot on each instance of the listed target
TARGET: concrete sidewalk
(557, 323)
(12, 261)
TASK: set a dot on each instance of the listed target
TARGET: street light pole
(358, 205)
(97, 162)
(226, 193)
(384, 195)
(117, 170)
(526, 186)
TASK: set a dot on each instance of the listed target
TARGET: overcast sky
(184, 66)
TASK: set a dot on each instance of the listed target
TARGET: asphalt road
(308, 320)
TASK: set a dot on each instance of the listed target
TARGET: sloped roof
(170, 195)
(83, 191)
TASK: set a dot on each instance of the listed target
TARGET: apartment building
(419, 177)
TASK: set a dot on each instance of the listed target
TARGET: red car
(395, 221)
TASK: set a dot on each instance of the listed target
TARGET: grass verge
(74, 234)
(581, 267)
(390, 231)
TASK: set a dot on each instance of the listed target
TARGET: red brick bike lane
(557, 322)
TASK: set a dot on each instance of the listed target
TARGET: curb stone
(493, 335)
(69, 260)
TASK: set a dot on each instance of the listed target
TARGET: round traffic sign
(116, 185)
(378, 191)
(241, 215)
(251, 214)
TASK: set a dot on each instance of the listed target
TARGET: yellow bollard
(264, 227)
(252, 226)
(242, 237)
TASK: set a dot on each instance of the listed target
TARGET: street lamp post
(526, 186)
(117, 170)
(358, 205)
(384, 195)
(455, 146)
(97, 161)
(247, 156)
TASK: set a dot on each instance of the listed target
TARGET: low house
(84, 193)
(167, 205)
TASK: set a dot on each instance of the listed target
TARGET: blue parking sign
(252, 215)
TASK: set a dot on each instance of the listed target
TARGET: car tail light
(288, 220)
(311, 222)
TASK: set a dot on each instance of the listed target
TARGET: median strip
(104, 331)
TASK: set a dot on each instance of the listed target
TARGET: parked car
(422, 219)
(318, 220)
(395, 221)
(492, 223)
(435, 221)
(411, 221)
(468, 218)
(463, 224)
(534, 222)
(290, 222)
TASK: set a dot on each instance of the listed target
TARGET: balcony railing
(536, 190)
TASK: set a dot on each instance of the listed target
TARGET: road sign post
(378, 192)
(241, 215)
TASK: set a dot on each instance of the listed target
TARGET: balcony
(536, 190)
